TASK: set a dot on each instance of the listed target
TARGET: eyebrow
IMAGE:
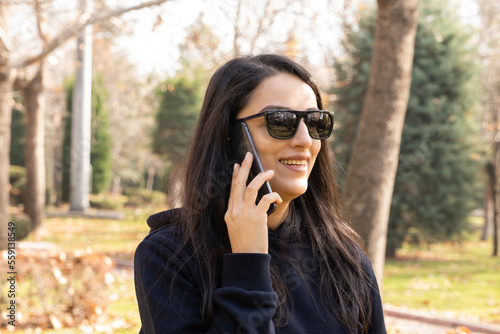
(274, 107)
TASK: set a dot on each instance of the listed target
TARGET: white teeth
(294, 162)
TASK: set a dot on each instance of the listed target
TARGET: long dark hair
(207, 176)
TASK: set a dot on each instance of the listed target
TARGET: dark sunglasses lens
(281, 124)
(320, 124)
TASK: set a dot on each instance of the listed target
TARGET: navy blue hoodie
(245, 301)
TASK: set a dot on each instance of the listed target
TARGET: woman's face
(291, 159)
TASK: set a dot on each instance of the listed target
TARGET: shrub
(106, 202)
(23, 225)
(17, 180)
(139, 197)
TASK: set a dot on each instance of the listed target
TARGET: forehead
(282, 90)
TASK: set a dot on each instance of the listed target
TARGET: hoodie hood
(165, 218)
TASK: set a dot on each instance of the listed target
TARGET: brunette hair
(344, 284)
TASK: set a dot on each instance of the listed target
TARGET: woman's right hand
(247, 222)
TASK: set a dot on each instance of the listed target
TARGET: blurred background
(133, 74)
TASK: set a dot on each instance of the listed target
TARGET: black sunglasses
(283, 123)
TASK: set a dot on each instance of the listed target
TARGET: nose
(301, 137)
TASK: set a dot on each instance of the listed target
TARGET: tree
(180, 97)
(256, 29)
(34, 198)
(437, 185)
(6, 80)
(180, 102)
(373, 160)
(100, 152)
(36, 179)
(436, 181)
(66, 145)
(489, 51)
(128, 97)
(17, 137)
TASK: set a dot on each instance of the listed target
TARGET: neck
(278, 216)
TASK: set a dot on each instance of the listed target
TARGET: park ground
(454, 280)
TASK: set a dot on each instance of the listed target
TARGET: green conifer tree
(100, 151)
(17, 138)
(181, 96)
(436, 184)
(180, 102)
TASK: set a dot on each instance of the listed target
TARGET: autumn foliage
(58, 289)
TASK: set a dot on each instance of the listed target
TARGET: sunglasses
(283, 123)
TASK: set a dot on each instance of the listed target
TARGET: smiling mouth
(300, 163)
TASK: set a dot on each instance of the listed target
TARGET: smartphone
(240, 142)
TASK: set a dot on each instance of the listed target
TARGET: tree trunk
(492, 177)
(374, 158)
(490, 206)
(115, 185)
(34, 204)
(6, 80)
(495, 234)
(488, 212)
(151, 178)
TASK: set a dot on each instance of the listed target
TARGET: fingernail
(247, 155)
(235, 167)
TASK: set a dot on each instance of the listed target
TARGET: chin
(292, 193)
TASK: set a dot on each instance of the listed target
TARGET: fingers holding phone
(247, 221)
(241, 143)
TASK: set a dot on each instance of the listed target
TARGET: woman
(220, 264)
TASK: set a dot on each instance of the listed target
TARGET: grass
(116, 238)
(457, 279)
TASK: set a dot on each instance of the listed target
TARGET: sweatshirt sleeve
(170, 302)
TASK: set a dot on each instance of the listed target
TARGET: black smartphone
(240, 142)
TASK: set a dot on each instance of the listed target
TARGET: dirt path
(401, 321)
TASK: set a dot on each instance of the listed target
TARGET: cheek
(269, 156)
(316, 147)
(314, 154)
(267, 151)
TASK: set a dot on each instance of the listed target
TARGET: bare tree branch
(236, 48)
(5, 45)
(260, 28)
(41, 23)
(76, 28)
(267, 20)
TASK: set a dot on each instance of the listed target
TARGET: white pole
(81, 118)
